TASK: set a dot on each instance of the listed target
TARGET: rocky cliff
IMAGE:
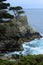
(13, 34)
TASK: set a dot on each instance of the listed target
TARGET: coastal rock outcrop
(13, 34)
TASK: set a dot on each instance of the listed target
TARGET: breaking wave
(34, 47)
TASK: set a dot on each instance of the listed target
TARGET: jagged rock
(16, 33)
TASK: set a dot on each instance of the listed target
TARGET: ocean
(35, 47)
(35, 18)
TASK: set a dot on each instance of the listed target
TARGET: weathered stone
(17, 33)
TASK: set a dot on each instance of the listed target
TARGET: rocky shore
(13, 34)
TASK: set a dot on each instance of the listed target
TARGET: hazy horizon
(35, 19)
(27, 3)
(35, 15)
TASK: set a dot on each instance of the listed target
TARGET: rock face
(13, 34)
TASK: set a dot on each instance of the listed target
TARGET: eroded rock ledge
(13, 34)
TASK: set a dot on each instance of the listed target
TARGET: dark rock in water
(13, 34)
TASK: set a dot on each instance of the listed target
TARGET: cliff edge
(13, 34)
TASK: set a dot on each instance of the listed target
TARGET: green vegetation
(13, 34)
(8, 39)
(18, 10)
(5, 16)
(25, 60)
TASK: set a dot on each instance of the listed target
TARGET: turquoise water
(35, 18)
(34, 47)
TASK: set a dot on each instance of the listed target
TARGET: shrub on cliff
(24, 60)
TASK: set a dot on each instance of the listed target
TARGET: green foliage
(11, 24)
(2, 29)
(2, 0)
(18, 10)
(4, 12)
(25, 60)
(4, 5)
(5, 15)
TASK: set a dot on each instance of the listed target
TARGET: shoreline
(18, 52)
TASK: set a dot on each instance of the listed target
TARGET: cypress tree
(18, 10)
(4, 15)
